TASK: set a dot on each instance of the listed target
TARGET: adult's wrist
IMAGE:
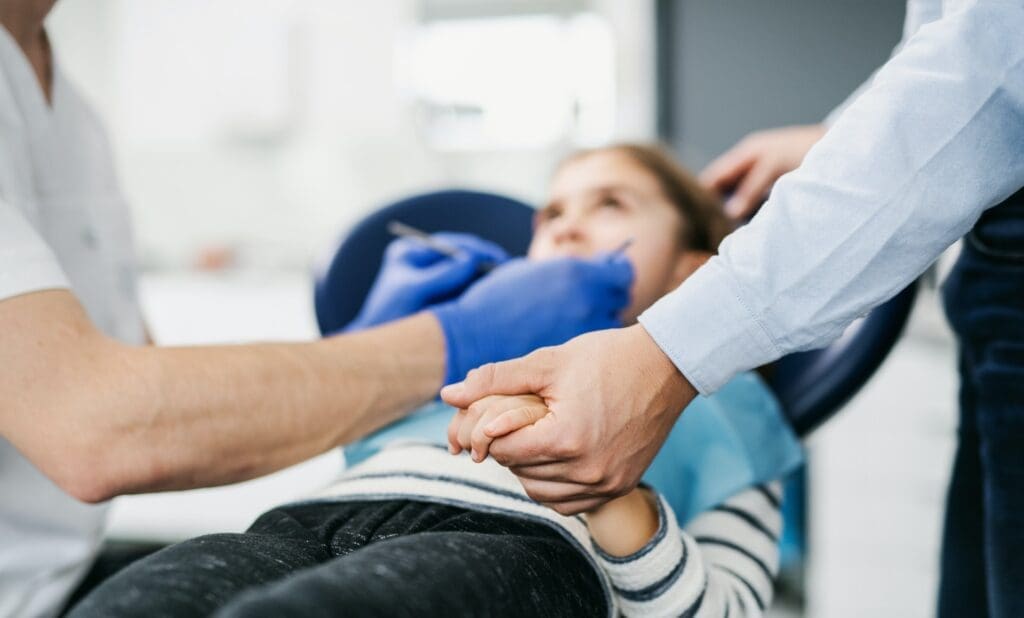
(460, 351)
(671, 389)
(385, 371)
(708, 332)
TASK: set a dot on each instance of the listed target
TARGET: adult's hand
(750, 168)
(524, 305)
(414, 276)
(613, 396)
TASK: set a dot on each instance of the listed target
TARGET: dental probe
(407, 231)
(622, 248)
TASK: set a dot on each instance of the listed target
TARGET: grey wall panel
(727, 67)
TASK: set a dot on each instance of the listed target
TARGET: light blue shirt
(721, 445)
(933, 139)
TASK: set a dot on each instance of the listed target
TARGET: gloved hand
(524, 305)
(414, 276)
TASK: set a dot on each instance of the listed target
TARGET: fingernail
(475, 456)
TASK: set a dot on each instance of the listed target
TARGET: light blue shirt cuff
(707, 330)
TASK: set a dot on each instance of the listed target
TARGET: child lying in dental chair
(409, 529)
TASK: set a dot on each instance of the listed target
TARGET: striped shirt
(722, 563)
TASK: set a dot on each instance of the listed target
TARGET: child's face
(599, 201)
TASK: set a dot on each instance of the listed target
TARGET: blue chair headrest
(814, 385)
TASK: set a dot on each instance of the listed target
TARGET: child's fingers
(513, 419)
(470, 418)
(453, 432)
(478, 415)
(507, 421)
(466, 429)
(462, 424)
(480, 442)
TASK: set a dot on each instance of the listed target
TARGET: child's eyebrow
(625, 189)
(548, 205)
(555, 202)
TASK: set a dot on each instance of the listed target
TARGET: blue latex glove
(414, 276)
(524, 305)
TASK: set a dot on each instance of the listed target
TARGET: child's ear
(687, 264)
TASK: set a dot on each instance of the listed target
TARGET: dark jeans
(983, 544)
(114, 556)
(394, 558)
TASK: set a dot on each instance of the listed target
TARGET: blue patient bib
(724, 444)
(721, 445)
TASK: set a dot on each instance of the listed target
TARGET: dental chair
(811, 386)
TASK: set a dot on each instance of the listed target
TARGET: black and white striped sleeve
(721, 565)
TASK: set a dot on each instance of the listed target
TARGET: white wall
(269, 126)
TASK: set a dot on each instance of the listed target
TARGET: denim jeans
(983, 541)
(390, 559)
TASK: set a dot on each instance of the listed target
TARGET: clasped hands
(604, 401)
(578, 423)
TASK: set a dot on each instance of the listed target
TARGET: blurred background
(251, 133)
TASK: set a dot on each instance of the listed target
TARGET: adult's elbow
(89, 488)
(84, 438)
(85, 468)
(70, 396)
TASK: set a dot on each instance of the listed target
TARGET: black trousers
(393, 558)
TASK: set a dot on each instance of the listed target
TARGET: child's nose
(569, 230)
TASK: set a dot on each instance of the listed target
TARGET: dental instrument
(407, 231)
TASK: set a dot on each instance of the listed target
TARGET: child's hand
(492, 417)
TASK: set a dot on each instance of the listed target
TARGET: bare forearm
(103, 419)
(222, 414)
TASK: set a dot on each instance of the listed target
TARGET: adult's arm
(903, 173)
(102, 418)
(918, 13)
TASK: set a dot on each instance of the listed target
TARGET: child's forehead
(603, 171)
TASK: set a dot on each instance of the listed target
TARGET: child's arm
(623, 526)
(722, 564)
(490, 418)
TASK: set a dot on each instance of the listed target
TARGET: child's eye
(610, 202)
(550, 213)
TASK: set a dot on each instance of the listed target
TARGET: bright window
(512, 82)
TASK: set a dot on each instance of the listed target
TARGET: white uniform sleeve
(905, 171)
(26, 262)
(722, 564)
